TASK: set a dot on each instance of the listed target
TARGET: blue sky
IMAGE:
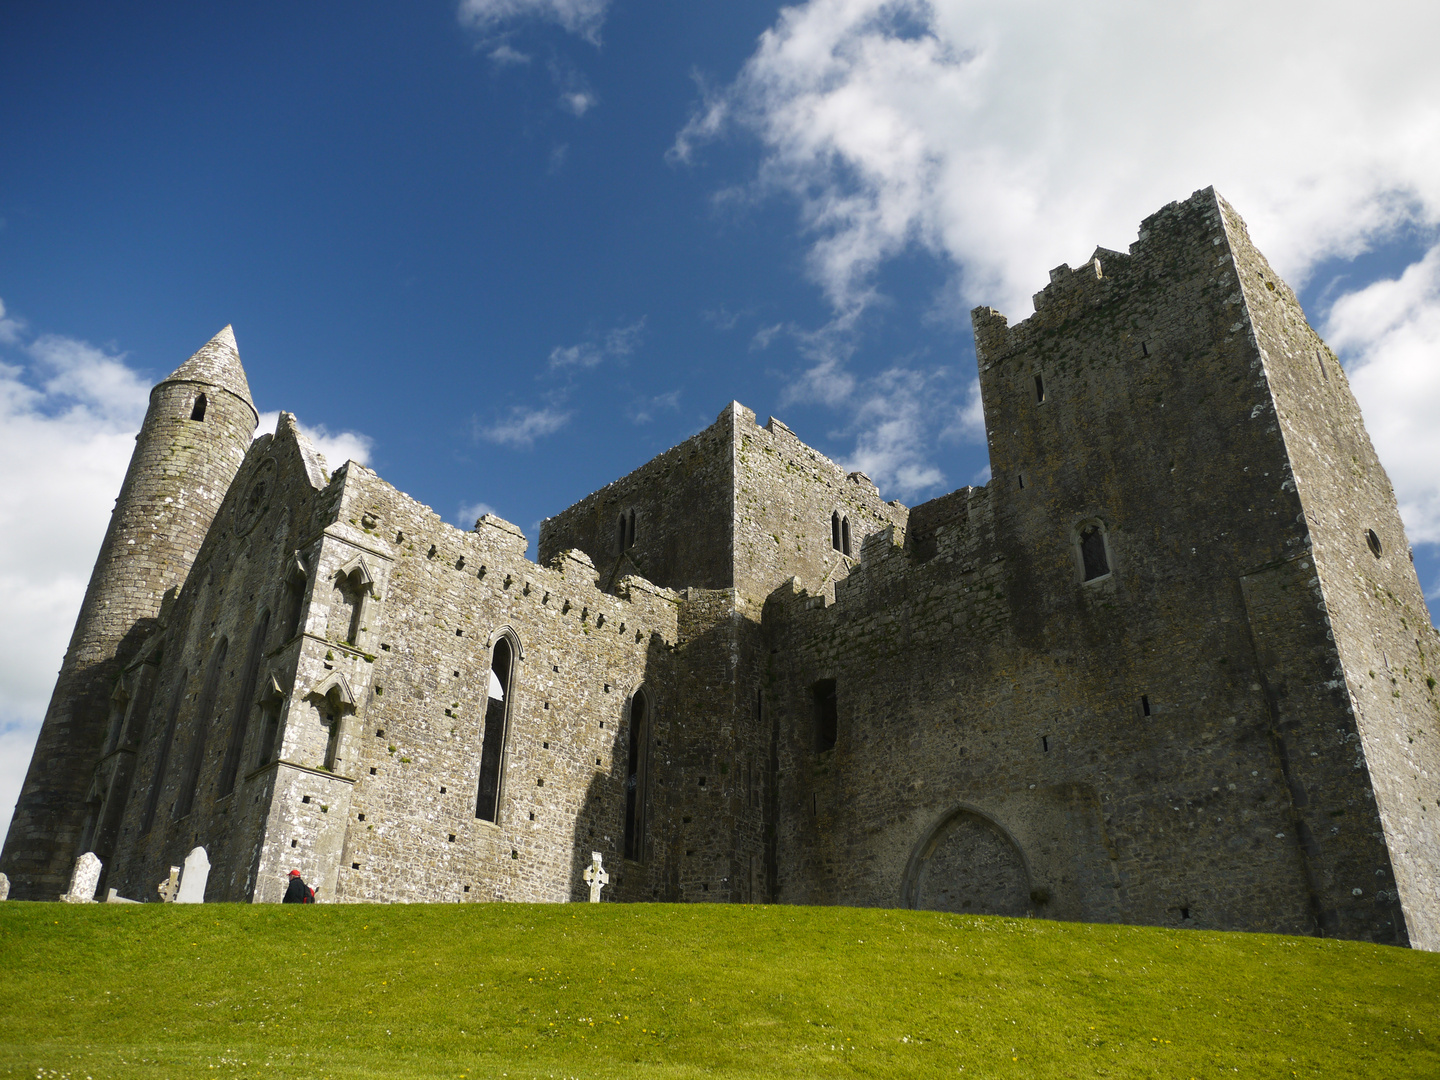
(507, 250)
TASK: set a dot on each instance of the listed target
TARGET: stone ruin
(1170, 664)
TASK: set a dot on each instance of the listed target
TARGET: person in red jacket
(297, 892)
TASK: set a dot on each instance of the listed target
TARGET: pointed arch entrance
(968, 864)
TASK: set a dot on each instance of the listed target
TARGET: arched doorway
(968, 865)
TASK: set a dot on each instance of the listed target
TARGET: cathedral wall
(202, 734)
(1155, 671)
(412, 745)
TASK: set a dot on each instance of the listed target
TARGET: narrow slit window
(1144, 705)
(197, 411)
(1373, 543)
(630, 536)
(1039, 388)
(497, 717)
(330, 717)
(835, 530)
(1094, 559)
(635, 777)
(118, 703)
(845, 535)
(827, 716)
(620, 533)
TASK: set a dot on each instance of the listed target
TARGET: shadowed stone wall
(1171, 741)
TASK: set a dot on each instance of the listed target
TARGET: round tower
(199, 424)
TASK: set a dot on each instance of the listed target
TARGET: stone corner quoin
(1170, 666)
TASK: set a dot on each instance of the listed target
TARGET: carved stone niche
(335, 702)
(271, 701)
(119, 703)
(355, 588)
(297, 577)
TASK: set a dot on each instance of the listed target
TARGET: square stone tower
(1168, 413)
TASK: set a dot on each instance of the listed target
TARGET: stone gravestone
(84, 880)
(168, 888)
(4, 887)
(193, 877)
(595, 877)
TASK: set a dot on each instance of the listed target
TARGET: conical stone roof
(217, 364)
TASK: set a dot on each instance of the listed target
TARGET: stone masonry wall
(681, 501)
(413, 746)
(1117, 731)
(785, 496)
(1373, 606)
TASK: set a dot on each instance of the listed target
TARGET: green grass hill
(612, 990)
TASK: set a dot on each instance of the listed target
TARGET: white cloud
(505, 56)
(966, 423)
(469, 513)
(9, 328)
(68, 417)
(581, 17)
(578, 102)
(760, 340)
(337, 447)
(1009, 138)
(576, 96)
(895, 417)
(644, 410)
(1389, 332)
(524, 425)
(1005, 139)
(722, 318)
(620, 342)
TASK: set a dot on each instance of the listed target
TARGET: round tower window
(1374, 543)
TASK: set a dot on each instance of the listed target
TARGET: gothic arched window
(162, 761)
(499, 699)
(243, 704)
(636, 776)
(204, 712)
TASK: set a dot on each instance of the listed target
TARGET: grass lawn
(612, 990)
